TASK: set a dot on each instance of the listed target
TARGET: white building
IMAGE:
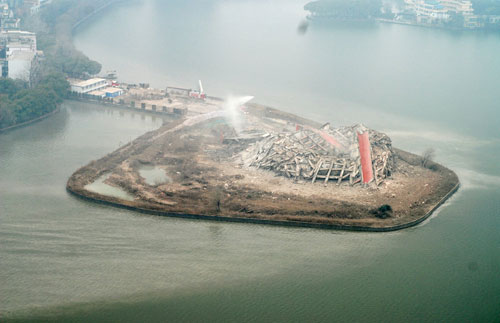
(19, 64)
(18, 52)
(113, 92)
(83, 87)
(18, 40)
(432, 9)
(7, 18)
(440, 10)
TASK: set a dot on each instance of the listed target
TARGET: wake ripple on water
(438, 136)
(471, 179)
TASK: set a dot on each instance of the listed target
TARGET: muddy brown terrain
(207, 177)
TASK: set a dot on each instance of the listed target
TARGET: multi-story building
(34, 5)
(18, 51)
(432, 11)
(19, 40)
(463, 7)
(429, 8)
(87, 86)
(7, 18)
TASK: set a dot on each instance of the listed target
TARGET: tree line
(54, 26)
(19, 103)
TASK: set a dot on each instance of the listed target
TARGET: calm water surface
(62, 258)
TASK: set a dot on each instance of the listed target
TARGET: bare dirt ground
(208, 177)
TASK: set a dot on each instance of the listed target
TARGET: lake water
(66, 259)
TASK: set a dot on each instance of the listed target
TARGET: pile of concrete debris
(327, 154)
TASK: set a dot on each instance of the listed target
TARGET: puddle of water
(102, 188)
(154, 175)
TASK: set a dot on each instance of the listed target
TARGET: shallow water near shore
(66, 259)
(99, 186)
(154, 175)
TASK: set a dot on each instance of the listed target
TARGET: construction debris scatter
(326, 154)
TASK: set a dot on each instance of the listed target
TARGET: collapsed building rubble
(326, 154)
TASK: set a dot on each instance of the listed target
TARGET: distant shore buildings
(7, 18)
(450, 14)
(95, 88)
(444, 11)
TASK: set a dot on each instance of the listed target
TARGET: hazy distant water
(426, 88)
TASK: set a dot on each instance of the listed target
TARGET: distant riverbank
(476, 16)
(415, 24)
(96, 11)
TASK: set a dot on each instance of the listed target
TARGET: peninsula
(238, 161)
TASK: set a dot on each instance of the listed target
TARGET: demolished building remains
(353, 154)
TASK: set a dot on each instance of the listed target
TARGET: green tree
(7, 115)
(10, 87)
(19, 104)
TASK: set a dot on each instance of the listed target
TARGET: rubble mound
(328, 154)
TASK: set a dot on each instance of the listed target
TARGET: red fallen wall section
(366, 158)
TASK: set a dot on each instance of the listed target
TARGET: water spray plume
(232, 109)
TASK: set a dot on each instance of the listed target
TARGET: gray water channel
(65, 259)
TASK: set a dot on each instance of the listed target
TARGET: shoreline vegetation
(22, 103)
(31, 121)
